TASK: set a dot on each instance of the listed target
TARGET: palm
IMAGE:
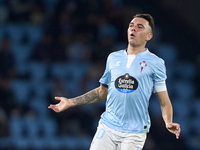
(171, 129)
(61, 106)
(174, 128)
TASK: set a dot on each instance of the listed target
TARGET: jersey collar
(141, 53)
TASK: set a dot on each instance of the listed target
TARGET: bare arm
(90, 97)
(167, 113)
(166, 106)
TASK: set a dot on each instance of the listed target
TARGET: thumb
(169, 125)
(58, 98)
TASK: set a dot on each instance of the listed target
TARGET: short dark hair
(147, 17)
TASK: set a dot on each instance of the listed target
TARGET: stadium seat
(21, 90)
(184, 89)
(185, 70)
(34, 32)
(38, 70)
(60, 70)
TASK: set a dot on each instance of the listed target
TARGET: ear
(149, 36)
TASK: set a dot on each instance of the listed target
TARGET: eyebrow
(139, 24)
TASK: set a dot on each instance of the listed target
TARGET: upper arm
(103, 91)
(159, 70)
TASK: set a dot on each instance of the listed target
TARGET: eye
(140, 27)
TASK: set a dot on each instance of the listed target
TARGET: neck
(135, 50)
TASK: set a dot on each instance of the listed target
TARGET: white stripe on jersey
(130, 60)
(159, 87)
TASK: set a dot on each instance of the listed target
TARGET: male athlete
(130, 77)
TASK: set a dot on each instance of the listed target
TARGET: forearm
(93, 96)
(166, 106)
(90, 97)
(167, 113)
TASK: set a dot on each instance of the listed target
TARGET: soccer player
(130, 77)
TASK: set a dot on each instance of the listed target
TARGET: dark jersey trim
(104, 85)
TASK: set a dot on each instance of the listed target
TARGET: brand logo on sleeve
(126, 83)
(118, 63)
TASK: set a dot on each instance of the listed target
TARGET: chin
(132, 43)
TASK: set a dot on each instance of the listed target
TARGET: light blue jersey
(129, 90)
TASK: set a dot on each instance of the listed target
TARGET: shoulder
(154, 58)
(118, 53)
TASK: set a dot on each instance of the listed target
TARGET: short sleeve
(105, 79)
(160, 72)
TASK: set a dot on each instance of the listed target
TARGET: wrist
(71, 102)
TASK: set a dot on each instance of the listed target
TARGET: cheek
(143, 36)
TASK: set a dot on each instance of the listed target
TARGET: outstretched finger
(50, 106)
(54, 107)
(178, 133)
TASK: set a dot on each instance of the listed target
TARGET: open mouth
(132, 35)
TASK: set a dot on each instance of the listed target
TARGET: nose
(133, 28)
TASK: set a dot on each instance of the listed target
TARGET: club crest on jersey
(126, 83)
(143, 64)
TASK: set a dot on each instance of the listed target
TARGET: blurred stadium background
(59, 47)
